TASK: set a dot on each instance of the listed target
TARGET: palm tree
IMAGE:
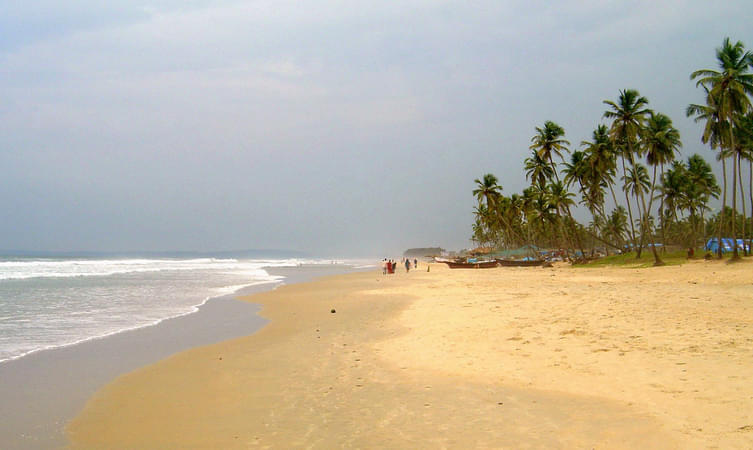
(579, 171)
(714, 134)
(538, 170)
(547, 142)
(628, 116)
(729, 89)
(617, 224)
(661, 141)
(487, 190)
(636, 182)
(602, 158)
(744, 138)
(701, 186)
(560, 200)
(481, 229)
(673, 193)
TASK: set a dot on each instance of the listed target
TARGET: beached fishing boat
(520, 262)
(470, 265)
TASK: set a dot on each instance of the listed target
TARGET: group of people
(389, 266)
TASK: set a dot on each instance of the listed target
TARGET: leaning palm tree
(628, 116)
(729, 90)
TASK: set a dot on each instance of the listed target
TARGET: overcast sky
(341, 128)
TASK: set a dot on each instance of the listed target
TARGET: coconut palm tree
(637, 183)
(549, 141)
(487, 193)
(701, 186)
(729, 90)
(628, 116)
(602, 158)
(538, 170)
(560, 199)
(714, 134)
(744, 133)
(661, 141)
(616, 225)
(487, 190)
(672, 191)
(579, 171)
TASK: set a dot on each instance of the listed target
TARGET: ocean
(55, 302)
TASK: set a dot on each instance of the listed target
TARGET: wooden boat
(470, 265)
(520, 263)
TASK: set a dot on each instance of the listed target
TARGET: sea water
(48, 303)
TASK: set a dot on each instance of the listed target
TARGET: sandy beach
(501, 358)
(41, 392)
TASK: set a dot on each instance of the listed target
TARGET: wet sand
(40, 393)
(507, 357)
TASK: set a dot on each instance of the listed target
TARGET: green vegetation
(422, 252)
(631, 260)
(663, 199)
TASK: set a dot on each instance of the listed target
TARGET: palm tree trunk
(702, 225)
(750, 192)
(742, 202)
(645, 230)
(650, 205)
(614, 198)
(620, 244)
(735, 254)
(661, 214)
(641, 219)
(630, 210)
(724, 205)
(576, 238)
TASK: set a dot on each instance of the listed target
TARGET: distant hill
(423, 251)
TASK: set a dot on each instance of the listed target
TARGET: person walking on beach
(407, 265)
(415, 263)
(384, 266)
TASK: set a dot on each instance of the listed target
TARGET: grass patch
(630, 261)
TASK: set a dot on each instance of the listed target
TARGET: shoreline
(495, 358)
(194, 309)
(45, 389)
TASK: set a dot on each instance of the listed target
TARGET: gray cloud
(334, 127)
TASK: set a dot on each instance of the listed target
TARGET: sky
(338, 128)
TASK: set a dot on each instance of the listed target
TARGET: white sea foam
(21, 269)
(48, 303)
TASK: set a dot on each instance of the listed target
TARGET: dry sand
(506, 357)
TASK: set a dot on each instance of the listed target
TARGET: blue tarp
(713, 245)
